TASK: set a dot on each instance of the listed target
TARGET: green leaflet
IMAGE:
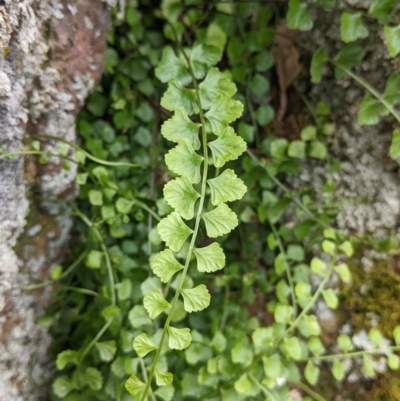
(352, 27)
(318, 61)
(164, 265)
(180, 194)
(222, 112)
(196, 299)
(172, 66)
(183, 160)
(298, 17)
(392, 35)
(395, 146)
(176, 96)
(348, 56)
(227, 187)
(107, 350)
(214, 85)
(210, 258)
(180, 127)
(179, 338)
(155, 303)
(173, 231)
(202, 57)
(66, 357)
(370, 110)
(134, 385)
(228, 146)
(163, 378)
(220, 221)
(143, 345)
(381, 9)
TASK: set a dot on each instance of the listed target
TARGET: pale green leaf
(196, 299)
(163, 378)
(317, 64)
(228, 146)
(318, 266)
(392, 35)
(210, 258)
(297, 149)
(215, 85)
(395, 146)
(370, 110)
(172, 66)
(283, 313)
(330, 298)
(66, 357)
(107, 350)
(222, 112)
(393, 361)
(311, 373)
(352, 27)
(227, 187)
(166, 393)
(171, 9)
(348, 56)
(155, 303)
(181, 195)
(93, 378)
(272, 366)
(368, 365)
(316, 346)
(164, 265)
(396, 335)
(124, 289)
(179, 338)
(202, 57)
(318, 150)
(176, 97)
(381, 9)
(347, 248)
(243, 384)
(143, 345)
(278, 148)
(123, 205)
(62, 386)
(220, 221)
(173, 231)
(95, 197)
(134, 385)
(338, 370)
(392, 92)
(344, 272)
(183, 160)
(376, 337)
(329, 247)
(345, 343)
(216, 36)
(313, 327)
(292, 347)
(297, 16)
(93, 259)
(179, 127)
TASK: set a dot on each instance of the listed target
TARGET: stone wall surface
(51, 57)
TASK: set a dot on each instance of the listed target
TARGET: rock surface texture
(51, 57)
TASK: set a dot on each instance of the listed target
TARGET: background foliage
(260, 338)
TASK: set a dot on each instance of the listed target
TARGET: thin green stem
(371, 90)
(35, 152)
(80, 290)
(89, 156)
(95, 339)
(287, 267)
(144, 373)
(103, 248)
(261, 387)
(63, 275)
(355, 354)
(147, 209)
(313, 300)
(309, 391)
(193, 238)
